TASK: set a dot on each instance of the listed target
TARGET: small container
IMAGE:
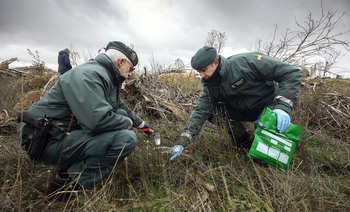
(157, 138)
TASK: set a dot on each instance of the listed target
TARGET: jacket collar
(216, 77)
(112, 70)
(224, 70)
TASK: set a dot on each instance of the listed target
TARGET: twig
(225, 184)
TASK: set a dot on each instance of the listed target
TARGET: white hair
(115, 55)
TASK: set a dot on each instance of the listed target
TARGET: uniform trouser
(232, 119)
(90, 158)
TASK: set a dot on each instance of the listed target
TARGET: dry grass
(211, 175)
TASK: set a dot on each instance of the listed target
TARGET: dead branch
(49, 84)
(12, 73)
(151, 96)
(5, 64)
(313, 39)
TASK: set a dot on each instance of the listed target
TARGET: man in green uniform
(91, 125)
(238, 88)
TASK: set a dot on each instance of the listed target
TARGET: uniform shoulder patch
(237, 83)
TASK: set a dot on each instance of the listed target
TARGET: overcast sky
(160, 29)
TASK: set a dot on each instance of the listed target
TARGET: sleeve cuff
(185, 138)
(283, 106)
(143, 123)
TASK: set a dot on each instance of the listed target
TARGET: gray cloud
(166, 29)
(59, 22)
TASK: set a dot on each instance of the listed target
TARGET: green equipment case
(273, 147)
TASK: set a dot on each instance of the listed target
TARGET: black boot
(243, 141)
(61, 187)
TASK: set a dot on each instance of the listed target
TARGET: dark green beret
(131, 54)
(203, 57)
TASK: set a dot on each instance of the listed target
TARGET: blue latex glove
(175, 151)
(283, 120)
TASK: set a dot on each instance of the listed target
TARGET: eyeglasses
(132, 68)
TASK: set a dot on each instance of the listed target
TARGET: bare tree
(216, 40)
(74, 56)
(36, 62)
(315, 40)
(88, 55)
(179, 65)
(155, 67)
(77, 58)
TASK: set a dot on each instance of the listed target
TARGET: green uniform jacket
(248, 83)
(88, 95)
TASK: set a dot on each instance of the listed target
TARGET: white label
(283, 158)
(284, 141)
(274, 141)
(263, 148)
(287, 148)
(273, 152)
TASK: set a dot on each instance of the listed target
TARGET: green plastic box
(273, 147)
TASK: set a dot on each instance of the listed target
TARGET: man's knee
(122, 112)
(125, 139)
(131, 139)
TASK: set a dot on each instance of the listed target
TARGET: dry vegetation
(210, 176)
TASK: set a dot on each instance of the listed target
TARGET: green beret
(131, 54)
(203, 57)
